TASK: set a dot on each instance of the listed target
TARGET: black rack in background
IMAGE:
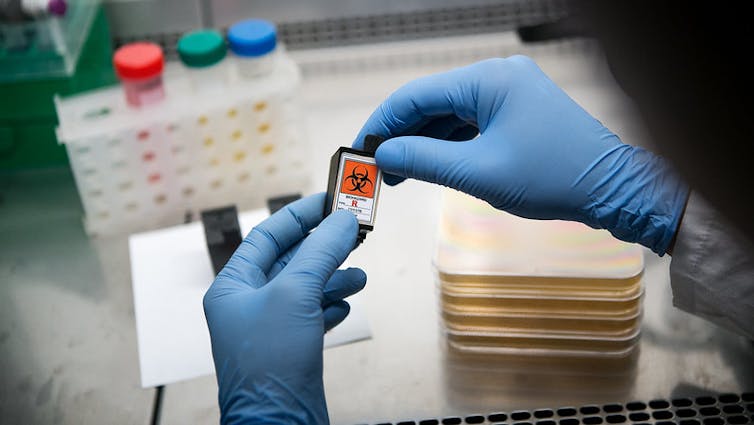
(439, 22)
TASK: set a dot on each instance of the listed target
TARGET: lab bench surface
(67, 333)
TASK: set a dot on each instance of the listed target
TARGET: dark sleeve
(712, 269)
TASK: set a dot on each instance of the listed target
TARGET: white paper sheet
(170, 272)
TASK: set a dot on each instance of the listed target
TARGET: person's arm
(268, 310)
(712, 269)
(502, 131)
(538, 154)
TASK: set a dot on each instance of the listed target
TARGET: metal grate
(438, 22)
(722, 409)
(420, 24)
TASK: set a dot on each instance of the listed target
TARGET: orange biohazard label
(358, 178)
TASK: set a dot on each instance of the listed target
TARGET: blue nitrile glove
(538, 154)
(268, 310)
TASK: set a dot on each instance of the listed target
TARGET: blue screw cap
(253, 37)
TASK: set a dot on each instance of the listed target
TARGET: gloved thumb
(322, 252)
(424, 158)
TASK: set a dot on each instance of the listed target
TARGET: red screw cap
(136, 61)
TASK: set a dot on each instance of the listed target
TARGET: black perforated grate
(471, 19)
(721, 409)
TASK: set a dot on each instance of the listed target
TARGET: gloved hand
(268, 310)
(538, 154)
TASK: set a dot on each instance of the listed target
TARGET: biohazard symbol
(357, 179)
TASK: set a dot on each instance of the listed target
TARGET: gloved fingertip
(335, 313)
(357, 275)
(356, 280)
(421, 158)
(390, 155)
(341, 230)
(392, 179)
(343, 284)
(342, 219)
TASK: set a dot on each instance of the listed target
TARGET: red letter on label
(354, 203)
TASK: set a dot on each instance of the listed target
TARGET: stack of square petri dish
(534, 287)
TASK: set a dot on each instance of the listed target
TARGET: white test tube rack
(138, 169)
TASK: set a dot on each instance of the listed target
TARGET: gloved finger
(435, 161)
(283, 261)
(342, 284)
(271, 238)
(391, 179)
(323, 252)
(447, 128)
(335, 313)
(421, 100)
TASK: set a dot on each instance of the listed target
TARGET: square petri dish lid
(525, 286)
(493, 292)
(477, 241)
(593, 326)
(462, 311)
(548, 331)
(537, 336)
(542, 344)
(501, 304)
(481, 364)
(480, 347)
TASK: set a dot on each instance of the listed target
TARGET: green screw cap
(202, 48)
